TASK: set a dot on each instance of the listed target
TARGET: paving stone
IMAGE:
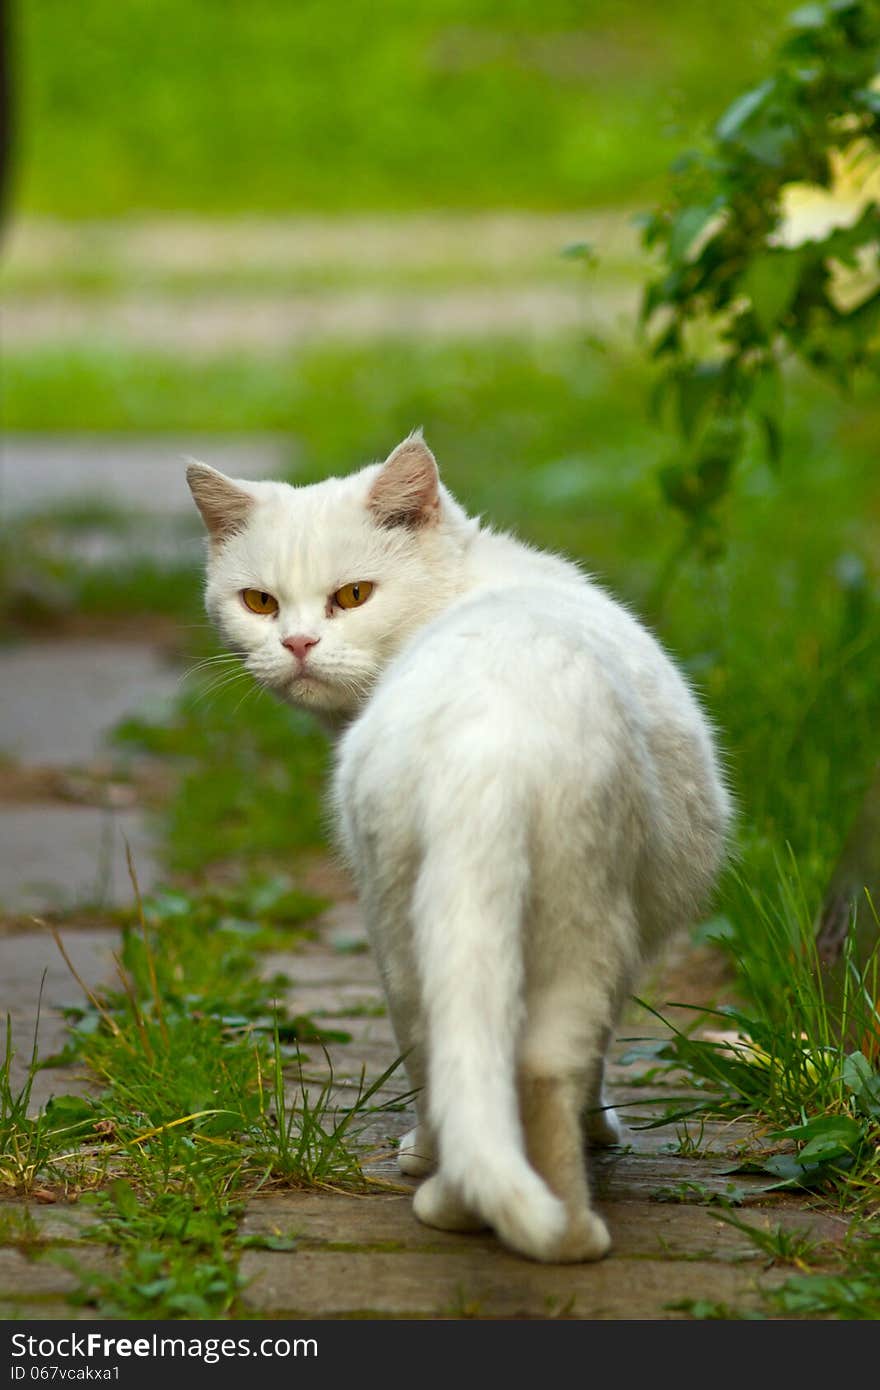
(377, 1221)
(617, 1177)
(145, 474)
(54, 857)
(322, 999)
(359, 241)
(57, 1221)
(211, 323)
(24, 958)
(49, 1310)
(363, 1029)
(345, 1061)
(58, 703)
(24, 1277)
(320, 962)
(638, 1228)
(478, 1282)
(60, 700)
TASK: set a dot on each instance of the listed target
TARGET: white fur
(529, 798)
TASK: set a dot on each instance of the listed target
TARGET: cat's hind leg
(416, 1153)
(388, 929)
(417, 1150)
(554, 1083)
(601, 1123)
(551, 1108)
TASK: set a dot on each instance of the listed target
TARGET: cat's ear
(223, 504)
(406, 491)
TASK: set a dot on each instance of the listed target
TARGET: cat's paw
(585, 1238)
(416, 1156)
(437, 1204)
(528, 1218)
(603, 1127)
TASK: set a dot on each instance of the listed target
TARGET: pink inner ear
(224, 506)
(407, 490)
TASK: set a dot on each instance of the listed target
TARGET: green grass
(251, 776)
(201, 1096)
(847, 1286)
(850, 1292)
(791, 1059)
(230, 108)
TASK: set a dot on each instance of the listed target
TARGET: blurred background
(278, 237)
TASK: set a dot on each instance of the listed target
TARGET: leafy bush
(769, 251)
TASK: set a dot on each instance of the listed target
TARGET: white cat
(527, 794)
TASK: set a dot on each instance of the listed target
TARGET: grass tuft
(203, 1098)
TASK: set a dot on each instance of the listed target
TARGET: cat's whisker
(214, 656)
(254, 690)
(224, 682)
(217, 683)
(208, 662)
(203, 666)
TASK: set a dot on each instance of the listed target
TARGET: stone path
(36, 248)
(214, 324)
(359, 1255)
(30, 961)
(205, 288)
(67, 803)
(367, 1255)
(57, 701)
(145, 475)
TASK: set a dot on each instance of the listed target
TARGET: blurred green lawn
(264, 105)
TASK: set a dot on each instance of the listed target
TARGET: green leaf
(869, 98)
(765, 402)
(864, 1082)
(771, 282)
(697, 386)
(268, 1242)
(668, 342)
(154, 1289)
(772, 439)
(64, 1111)
(123, 1197)
(823, 1149)
(857, 1072)
(786, 1167)
(827, 1137)
(685, 229)
(742, 110)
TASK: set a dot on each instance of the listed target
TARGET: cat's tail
(468, 914)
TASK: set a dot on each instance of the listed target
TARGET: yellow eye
(258, 602)
(353, 595)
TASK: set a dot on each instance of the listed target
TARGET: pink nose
(300, 646)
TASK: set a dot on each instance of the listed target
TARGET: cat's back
(546, 705)
(555, 675)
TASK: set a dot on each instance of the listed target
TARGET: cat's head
(317, 587)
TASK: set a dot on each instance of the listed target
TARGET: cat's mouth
(308, 684)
